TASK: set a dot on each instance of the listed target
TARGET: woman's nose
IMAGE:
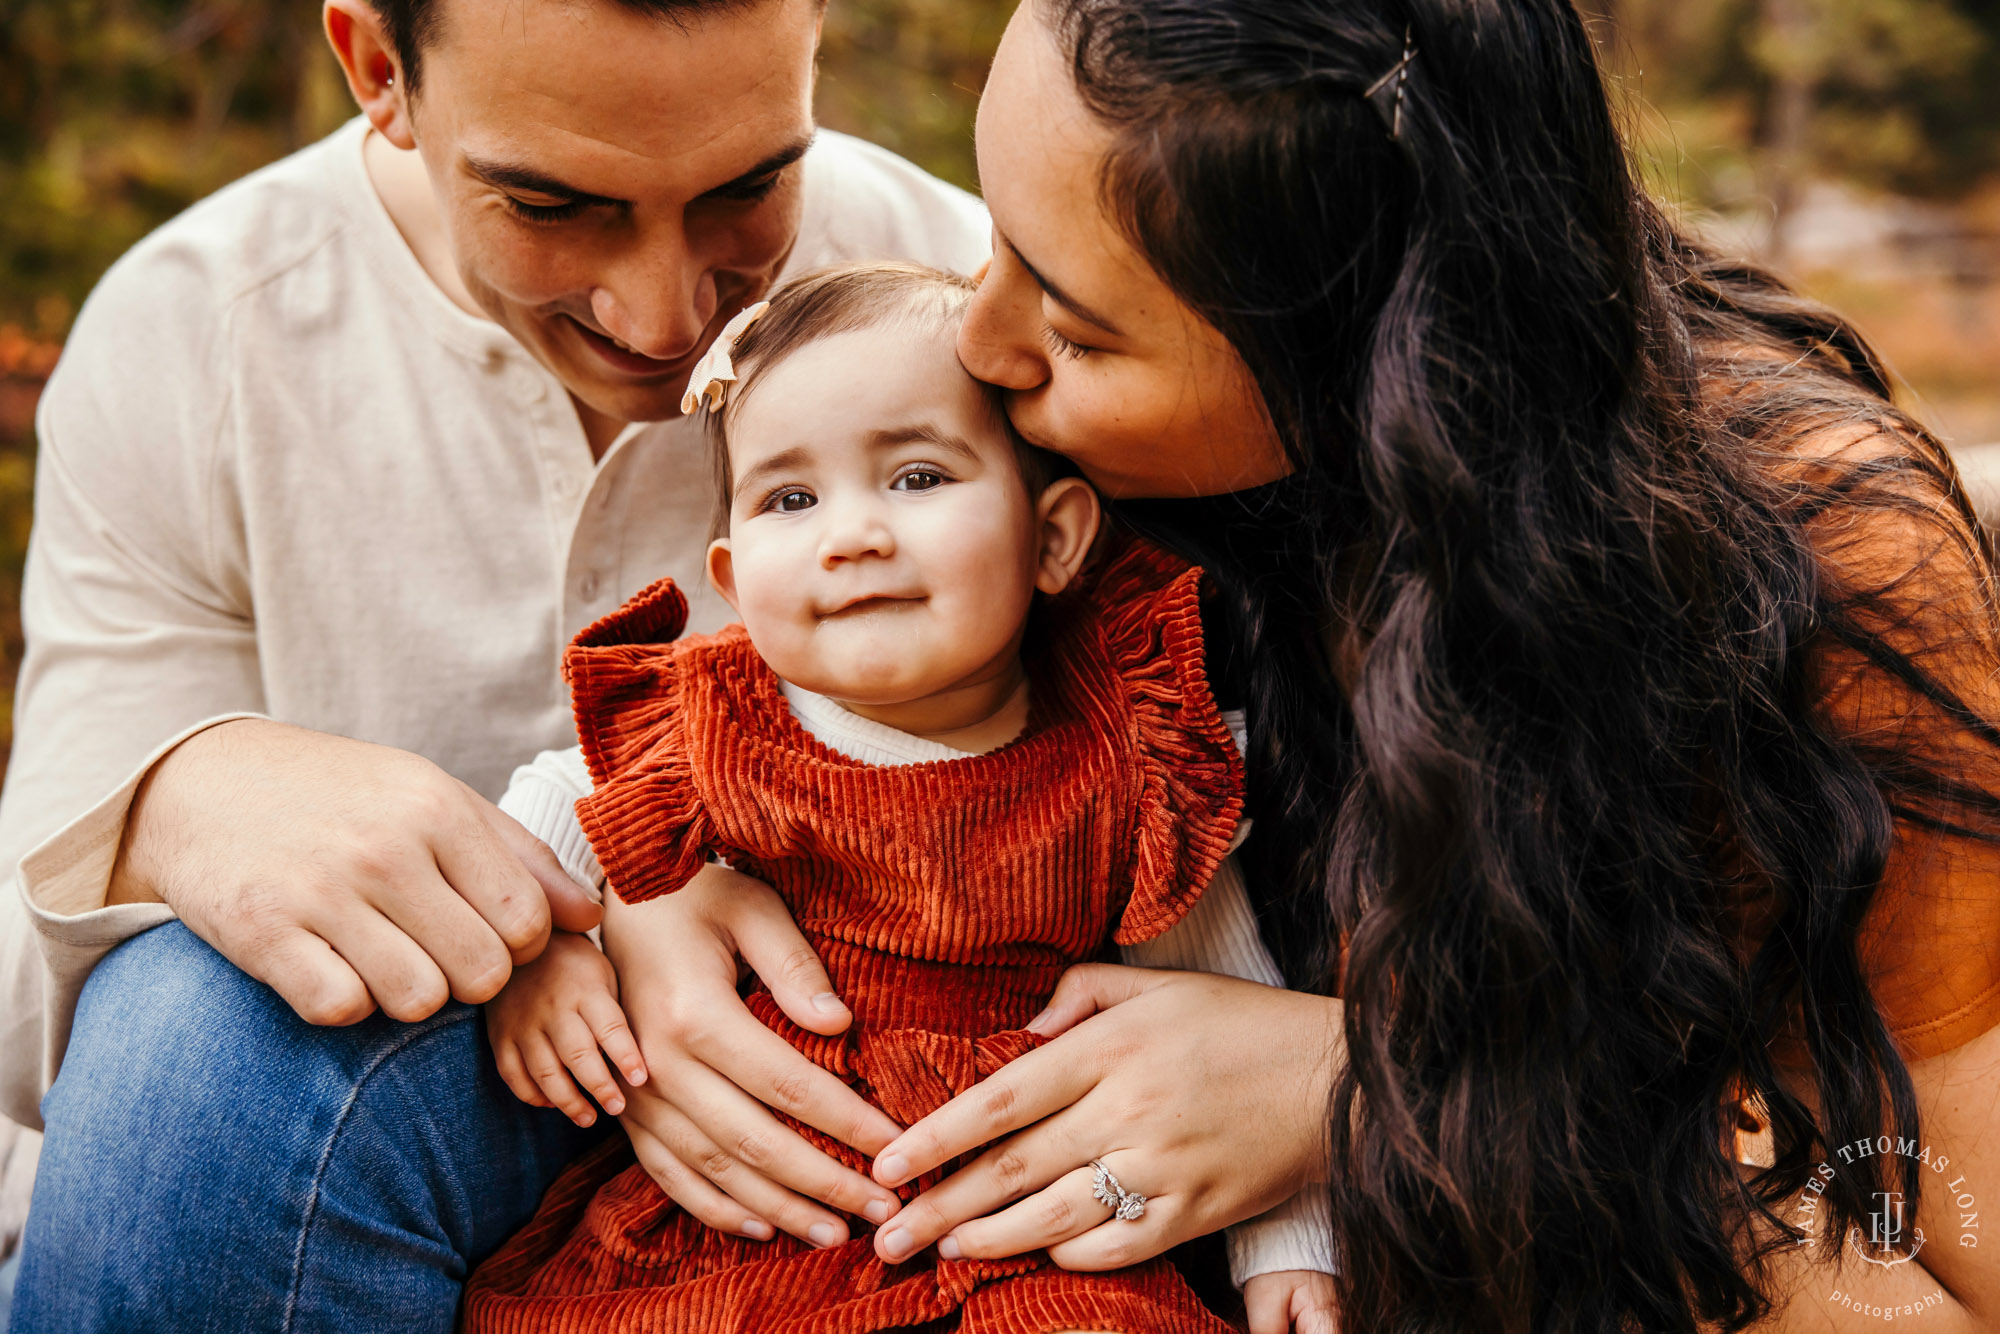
(998, 341)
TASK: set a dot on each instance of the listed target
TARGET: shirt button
(587, 586)
(563, 487)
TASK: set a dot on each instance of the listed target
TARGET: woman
(1620, 667)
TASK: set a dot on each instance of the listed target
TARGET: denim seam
(417, 1032)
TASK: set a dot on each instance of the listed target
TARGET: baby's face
(882, 544)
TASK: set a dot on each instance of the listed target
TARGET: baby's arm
(1219, 935)
(550, 1022)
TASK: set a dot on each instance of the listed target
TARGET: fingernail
(826, 1002)
(587, 1120)
(823, 1234)
(757, 1229)
(635, 1077)
(878, 1211)
(1035, 1025)
(896, 1243)
(948, 1249)
(891, 1168)
(614, 1105)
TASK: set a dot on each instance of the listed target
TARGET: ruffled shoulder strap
(644, 815)
(1147, 607)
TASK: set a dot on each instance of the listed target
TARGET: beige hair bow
(715, 372)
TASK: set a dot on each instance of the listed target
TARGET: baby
(969, 744)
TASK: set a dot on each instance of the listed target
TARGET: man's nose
(656, 299)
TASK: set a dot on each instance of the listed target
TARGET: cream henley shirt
(282, 474)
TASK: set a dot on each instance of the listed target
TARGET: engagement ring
(1124, 1204)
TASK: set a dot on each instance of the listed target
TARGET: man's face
(617, 185)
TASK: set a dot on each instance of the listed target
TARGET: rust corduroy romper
(945, 899)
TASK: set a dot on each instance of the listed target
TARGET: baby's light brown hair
(844, 299)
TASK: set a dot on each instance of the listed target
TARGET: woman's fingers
(1024, 1164)
(1066, 1208)
(686, 1188)
(1024, 1091)
(1085, 990)
(1121, 1242)
(773, 948)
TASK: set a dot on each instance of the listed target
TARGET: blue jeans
(215, 1163)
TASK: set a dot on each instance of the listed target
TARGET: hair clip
(715, 372)
(1390, 108)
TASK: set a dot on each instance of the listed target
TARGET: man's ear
(1069, 517)
(368, 59)
(722, 572)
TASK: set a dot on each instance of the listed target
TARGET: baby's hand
(1293, 1300)
(548, 1023)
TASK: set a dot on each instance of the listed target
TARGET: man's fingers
(474, 961)
(477, 862)
(687, 1189)
(572, 907)
(763, 1064)
(614, 1035)
(404, 980)
(772, 947)
(1023, 1092)
(1086, 989)
(311, 976)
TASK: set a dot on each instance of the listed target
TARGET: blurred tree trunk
(1786, 124)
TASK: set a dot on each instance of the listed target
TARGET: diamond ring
(1127, 1205)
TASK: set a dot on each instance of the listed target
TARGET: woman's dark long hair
(1542, 645)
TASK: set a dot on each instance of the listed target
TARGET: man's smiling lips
(624, 359)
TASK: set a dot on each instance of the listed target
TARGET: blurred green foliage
(116, 114)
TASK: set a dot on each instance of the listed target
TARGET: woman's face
(1099, 358)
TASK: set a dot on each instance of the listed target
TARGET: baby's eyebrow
(783, 461)
(922, 433)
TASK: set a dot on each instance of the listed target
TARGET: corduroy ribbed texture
(945, 900)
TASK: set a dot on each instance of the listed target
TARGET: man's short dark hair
(413, 24)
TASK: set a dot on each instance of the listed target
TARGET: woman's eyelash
(1063, 347)
(545, 212)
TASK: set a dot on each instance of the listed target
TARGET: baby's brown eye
(919, 480)
(791, 502)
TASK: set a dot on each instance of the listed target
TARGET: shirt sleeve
(1219, 935)
(138, 634)
(542, 795)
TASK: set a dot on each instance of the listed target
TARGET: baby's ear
(722, 572)
(1069, 516)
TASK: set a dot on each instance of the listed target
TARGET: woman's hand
(699, 1124)
(1205, 1094)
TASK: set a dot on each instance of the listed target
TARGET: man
(333, 467)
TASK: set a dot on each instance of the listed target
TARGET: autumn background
(1854, 144)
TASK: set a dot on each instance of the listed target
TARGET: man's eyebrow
(511, 176)
(770, 166)
(1062, 298)
(923, 433)
(782, 461)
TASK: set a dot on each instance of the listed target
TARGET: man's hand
(344, 875)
